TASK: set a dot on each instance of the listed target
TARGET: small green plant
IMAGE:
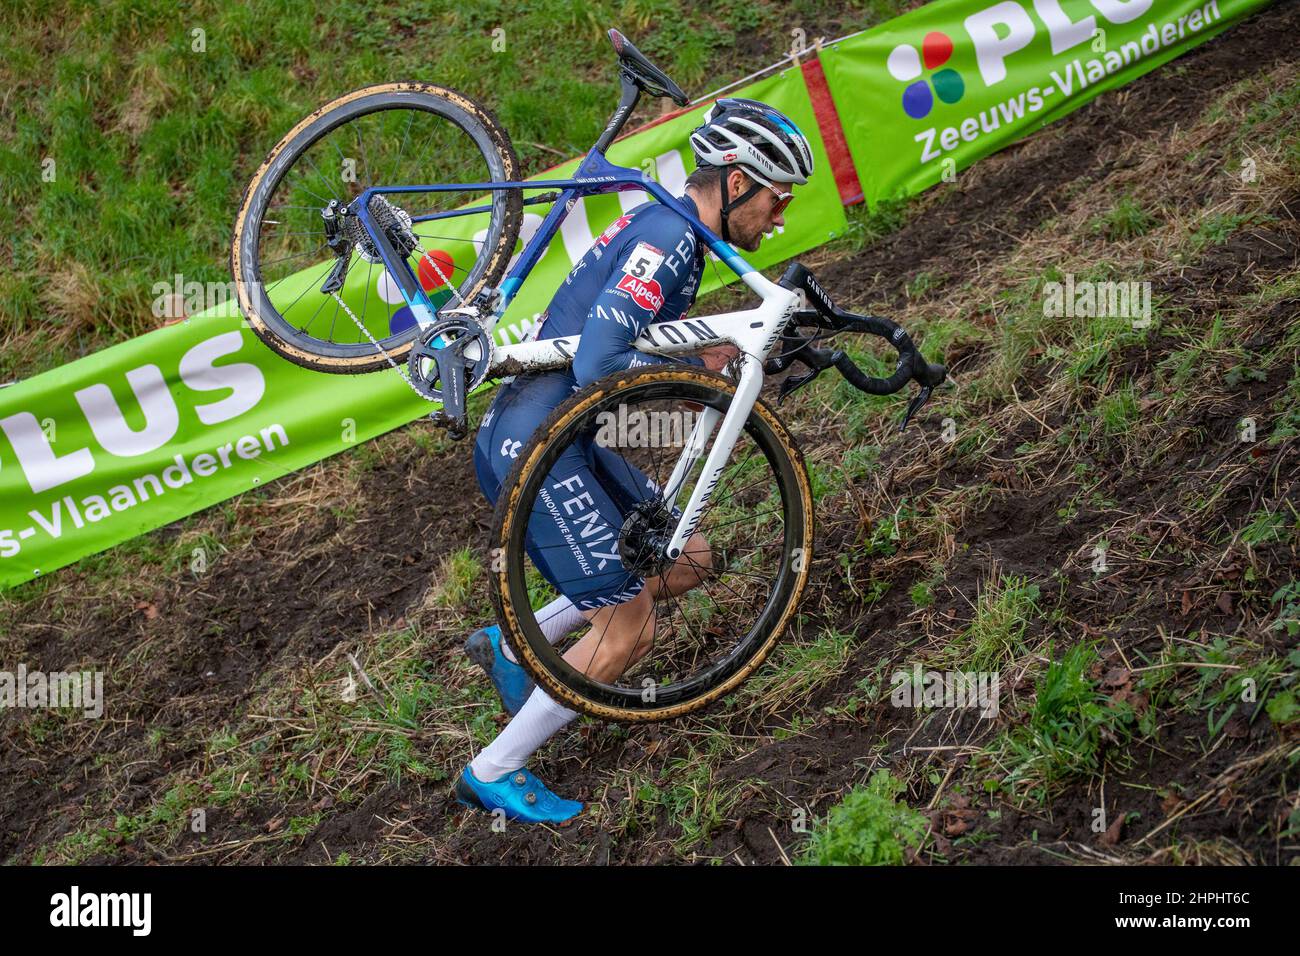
(821, 484)
(1283, 708)
(1244, 373)
(460, 572)
(866, 225)
(921, 284)
(1287, 409)
(1264, 528)
(860, 460)
(1215, 228)
(1118, 411)
(1002, 615)
(1067, 728)
(1287, 598)
(1126, 220)
(869, 827)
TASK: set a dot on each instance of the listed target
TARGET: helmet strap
(739, 200)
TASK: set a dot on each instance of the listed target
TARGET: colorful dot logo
(906, 67)
(435, 268)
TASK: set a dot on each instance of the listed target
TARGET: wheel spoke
(396, 138)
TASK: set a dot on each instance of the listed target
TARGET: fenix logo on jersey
(646, 293)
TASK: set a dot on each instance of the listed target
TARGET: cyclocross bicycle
(336, 268)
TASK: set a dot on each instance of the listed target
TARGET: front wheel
(586, 512)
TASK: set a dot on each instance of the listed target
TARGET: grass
(868, 224)
(1003, 613)
(1126, 220)
(459, 577)
(131, 128)
(921, 593)
(869, 827)
(1067, 728)
(687, 794)
(1044, 415)
(1287, 600)
(1216, 228)
(796, 671)
(1118, 411)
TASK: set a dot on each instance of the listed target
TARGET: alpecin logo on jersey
(647, 294)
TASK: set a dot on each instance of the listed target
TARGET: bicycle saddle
(645, 74)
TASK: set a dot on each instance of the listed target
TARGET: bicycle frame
(753, 332)
(595, 175)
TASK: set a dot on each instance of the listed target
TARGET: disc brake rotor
(643, 539)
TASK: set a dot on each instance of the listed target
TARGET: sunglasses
(782, 200)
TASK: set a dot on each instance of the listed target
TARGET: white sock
(538, 721)
(556, 620)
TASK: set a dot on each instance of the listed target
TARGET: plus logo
(922, 74)
(1004, 29)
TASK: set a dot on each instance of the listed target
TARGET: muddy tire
(769, 591)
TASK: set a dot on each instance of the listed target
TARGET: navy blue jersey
(644, 268)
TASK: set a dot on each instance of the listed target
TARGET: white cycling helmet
(753, 135)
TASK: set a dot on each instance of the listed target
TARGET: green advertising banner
(158, 427)
(930, 92)
(138, 435)
(148, 431)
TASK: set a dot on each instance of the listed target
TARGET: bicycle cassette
(392, 220)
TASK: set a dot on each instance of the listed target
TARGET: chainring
(457, 335)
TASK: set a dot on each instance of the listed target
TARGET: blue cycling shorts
(573, 533)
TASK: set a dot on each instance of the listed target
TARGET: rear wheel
(395, 134)
(747, 581)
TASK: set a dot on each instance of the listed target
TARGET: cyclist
(644, 268)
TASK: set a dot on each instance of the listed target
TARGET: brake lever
(816, 360)
(929, 377)
(792, 383)
(915, 404)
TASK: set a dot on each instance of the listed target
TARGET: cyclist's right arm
(645, 275)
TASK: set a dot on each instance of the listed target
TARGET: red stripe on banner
(828, 121)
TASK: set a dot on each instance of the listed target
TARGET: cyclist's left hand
(716, 357)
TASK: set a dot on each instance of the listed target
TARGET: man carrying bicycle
(645, 268)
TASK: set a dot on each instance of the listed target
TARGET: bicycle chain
(424, 254)
(375, 342)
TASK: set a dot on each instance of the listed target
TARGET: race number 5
(644, 261)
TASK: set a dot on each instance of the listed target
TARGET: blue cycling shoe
(511, 681)
(520, 794)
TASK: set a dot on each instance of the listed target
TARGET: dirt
(206, 647)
